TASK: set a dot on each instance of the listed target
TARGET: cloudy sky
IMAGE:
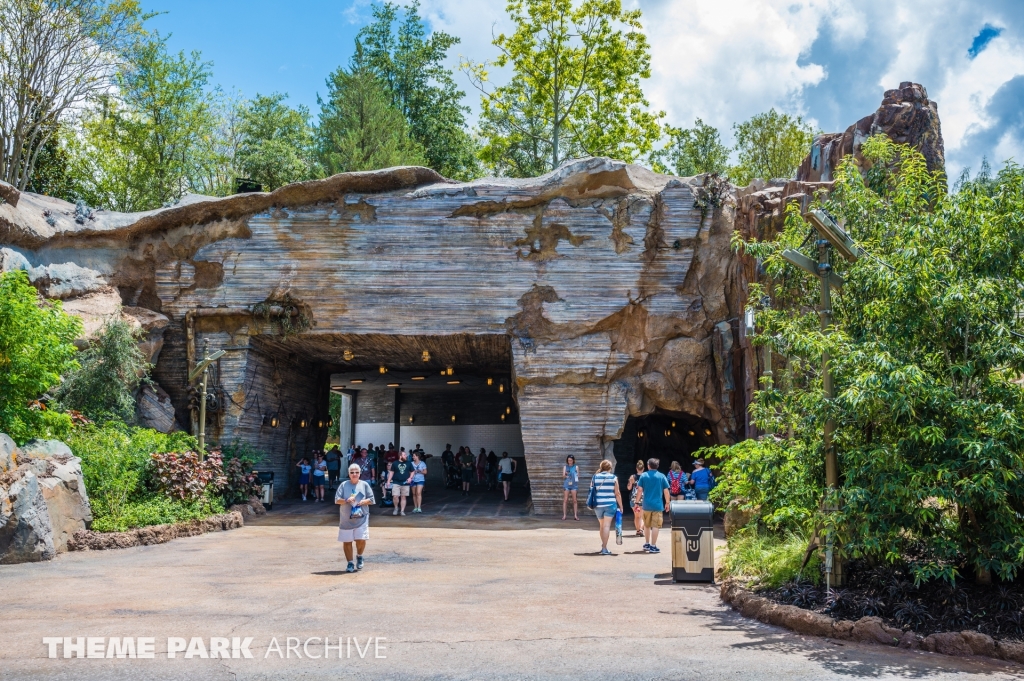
(720, 60)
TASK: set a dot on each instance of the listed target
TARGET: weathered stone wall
(619, 293)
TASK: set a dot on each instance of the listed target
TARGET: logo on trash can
(693, 544)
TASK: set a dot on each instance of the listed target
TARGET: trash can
(693, 542)
(267, 478)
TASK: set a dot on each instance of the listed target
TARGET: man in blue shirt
(654, 491)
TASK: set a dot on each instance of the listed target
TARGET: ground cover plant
(926, 355)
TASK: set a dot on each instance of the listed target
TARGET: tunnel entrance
(664, 436)
(402, 390)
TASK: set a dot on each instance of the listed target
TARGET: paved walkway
(451, 603)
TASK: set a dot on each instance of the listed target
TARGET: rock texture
(906, 115)
(87, 540)
(613, 292)
(43, 500)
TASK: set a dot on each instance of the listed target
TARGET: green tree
(410, 63)
(692, 151)
(275, 142)
(360, 129)
(771, 145)
(53, 172)
(926, 352)
(575, 88)
(149, 145)
(36, 347)
(111, 369)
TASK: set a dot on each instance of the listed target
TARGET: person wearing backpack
(677, 479)
(701, 480)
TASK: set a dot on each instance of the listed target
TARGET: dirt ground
(513, 598)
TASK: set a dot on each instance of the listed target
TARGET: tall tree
(149, 145)
(575, 87)
(276, 142)
(360, 129)
(771, 145)
(55, 55)
(692, 151)
(410, 63)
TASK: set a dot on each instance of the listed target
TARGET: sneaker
(359, 562)
(654, 549)
(605, 552)
(647, 547)
(402, 513)
(395, 512)
(639, 533)
(351, 567)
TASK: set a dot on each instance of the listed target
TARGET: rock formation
(43, 500)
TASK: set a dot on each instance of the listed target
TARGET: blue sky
(722, 61)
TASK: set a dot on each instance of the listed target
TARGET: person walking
(609, 501)
(677, 479)
(492, 471)
(354, 496)
(570, 485)
(319, 477)
(333, 466)
(419, 479)
(304, 474)
(400, 476)
(634, 499)
(506, 470)
(468, 463)
(702, 480)
(654, 499)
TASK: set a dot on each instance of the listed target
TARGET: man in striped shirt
(609, 500)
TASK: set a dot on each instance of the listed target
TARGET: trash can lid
(683, 511)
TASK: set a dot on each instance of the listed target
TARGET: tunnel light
(274, 421)
(383, 369)
(673, 424)
(454, 382)
(449, 370)
(348, 355)
(640, 434)
(508, 410)
(356, 380)
(502, 417)
(394, 385)
(419, 378)
(490, 381)
(320, 423)
(302, 423)
(411, 419)
(707, 431)
(425, 356)
(501, 388)
(453, 418)
(690, 433)
(330, 422)
(668, 433)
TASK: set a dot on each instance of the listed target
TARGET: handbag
(592, 497)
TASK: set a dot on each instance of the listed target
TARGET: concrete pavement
(452, 603)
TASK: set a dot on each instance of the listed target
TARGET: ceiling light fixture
(419, 378)
(453, 418)
(690, 433)
(508, 410)
(348, 355)
(454, 382)
(502, 417)
(383, 369)
(707, 431)
(450, 371)
(356, 380)
(394, 385)
(501, 387)
(673, 424)
(425, 356)
(490, 381)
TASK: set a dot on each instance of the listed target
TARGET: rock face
(43, 500)
(615, 295)
(906, 115)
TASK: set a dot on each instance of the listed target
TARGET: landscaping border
(866, 629)
(87, 540)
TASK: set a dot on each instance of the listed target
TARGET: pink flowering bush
(182, 475)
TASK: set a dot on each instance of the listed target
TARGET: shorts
(319, 480)
(361, 533)
(570, 486)
(603, 512)
(653, 518)
(399, 490)
(468, 475)
(303, 479)
(418, 483)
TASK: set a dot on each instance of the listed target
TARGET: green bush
(111, 369)
(769, 559)
(36, 347)
(158, 510)
(115, 463)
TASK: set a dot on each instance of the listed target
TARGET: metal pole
(202, 416)
(832, 563)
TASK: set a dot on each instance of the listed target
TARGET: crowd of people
(484, 468)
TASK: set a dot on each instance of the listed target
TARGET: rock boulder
(26, 535)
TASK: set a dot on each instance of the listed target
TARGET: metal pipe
(833, 563)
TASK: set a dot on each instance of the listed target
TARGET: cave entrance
(665, 436)
(429, 391)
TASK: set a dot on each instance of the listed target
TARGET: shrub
(182, 475)
(103, 387)
(115, 463)
(158, 510)
(241, 483)
(769, 559)
(36, 347)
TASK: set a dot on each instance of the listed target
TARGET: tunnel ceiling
(466, 353)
